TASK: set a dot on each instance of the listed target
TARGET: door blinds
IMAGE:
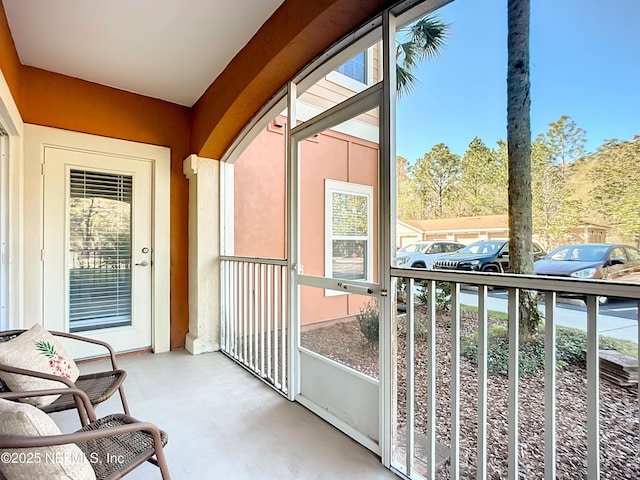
(99, 261)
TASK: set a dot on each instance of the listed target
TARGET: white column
(204, 254)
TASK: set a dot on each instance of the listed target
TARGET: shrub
(443, 295)
(369, 321)
(401, 290)
(570, 350)
(419, 326)
(531, 352)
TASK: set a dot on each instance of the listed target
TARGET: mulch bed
(619, 424)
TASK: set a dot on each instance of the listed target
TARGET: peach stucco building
(347, 154)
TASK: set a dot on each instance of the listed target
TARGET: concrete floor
(223, 423)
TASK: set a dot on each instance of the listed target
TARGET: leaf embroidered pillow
(36, 349)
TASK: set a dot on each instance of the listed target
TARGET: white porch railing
(514, 284)
(255, 334)
(254, 316)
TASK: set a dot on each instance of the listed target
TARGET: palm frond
(405, 80)
(429, 35)
(421, 40)
(408, 54)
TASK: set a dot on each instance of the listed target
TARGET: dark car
(592, 260)
(483, 256)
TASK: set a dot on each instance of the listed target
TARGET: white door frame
(4, 229)
(359, 416)
(35, 139)
(11, 122)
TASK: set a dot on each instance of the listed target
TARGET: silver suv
(423, 254)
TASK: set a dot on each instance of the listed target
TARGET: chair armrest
(85, 409)
(11, 333)
(108, 347)
(127, 425)
(17, 441)
(33, 373)
(105, 432)
(71, 336)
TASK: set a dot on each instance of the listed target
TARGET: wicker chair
(119, 436)
(98, 386)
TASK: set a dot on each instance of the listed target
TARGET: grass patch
(573, 337)
(570, 349)
(504, 316)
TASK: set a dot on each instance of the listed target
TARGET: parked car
(483, 256)
(605, 261)
(423, 254)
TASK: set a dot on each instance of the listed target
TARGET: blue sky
(585, 63)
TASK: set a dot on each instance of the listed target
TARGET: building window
(356, 68)
(348, 221)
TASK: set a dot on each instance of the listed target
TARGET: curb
(565, 300)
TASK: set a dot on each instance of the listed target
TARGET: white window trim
(331, 186)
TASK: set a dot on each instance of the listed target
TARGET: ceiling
(166, 49)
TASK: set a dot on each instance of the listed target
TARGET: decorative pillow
(58, 462)
(36, 349)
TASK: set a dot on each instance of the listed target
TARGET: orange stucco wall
(296, 34)
(9, 61)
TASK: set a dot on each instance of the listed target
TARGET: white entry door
(97, 247)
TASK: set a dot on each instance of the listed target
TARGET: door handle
(143, 263)
(355, 288)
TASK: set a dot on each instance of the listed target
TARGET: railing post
(549, 386)
(593, 390)
(455, 381)
(514, 351)
(431, 378)
(410, 390)
(482, 381)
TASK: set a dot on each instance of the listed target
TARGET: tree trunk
(519, 152)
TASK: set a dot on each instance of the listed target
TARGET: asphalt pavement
(618, 318)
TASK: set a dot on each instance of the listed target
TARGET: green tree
(408, 203)
(565, 141)
(616, 185)
(554, 213)
(419, 41)
(482, 186)
(436, 176)
(99, 232)
(502, 173)
(519, 151)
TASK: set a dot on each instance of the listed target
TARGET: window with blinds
(355, 68)
(349, 236)
(99, 261)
